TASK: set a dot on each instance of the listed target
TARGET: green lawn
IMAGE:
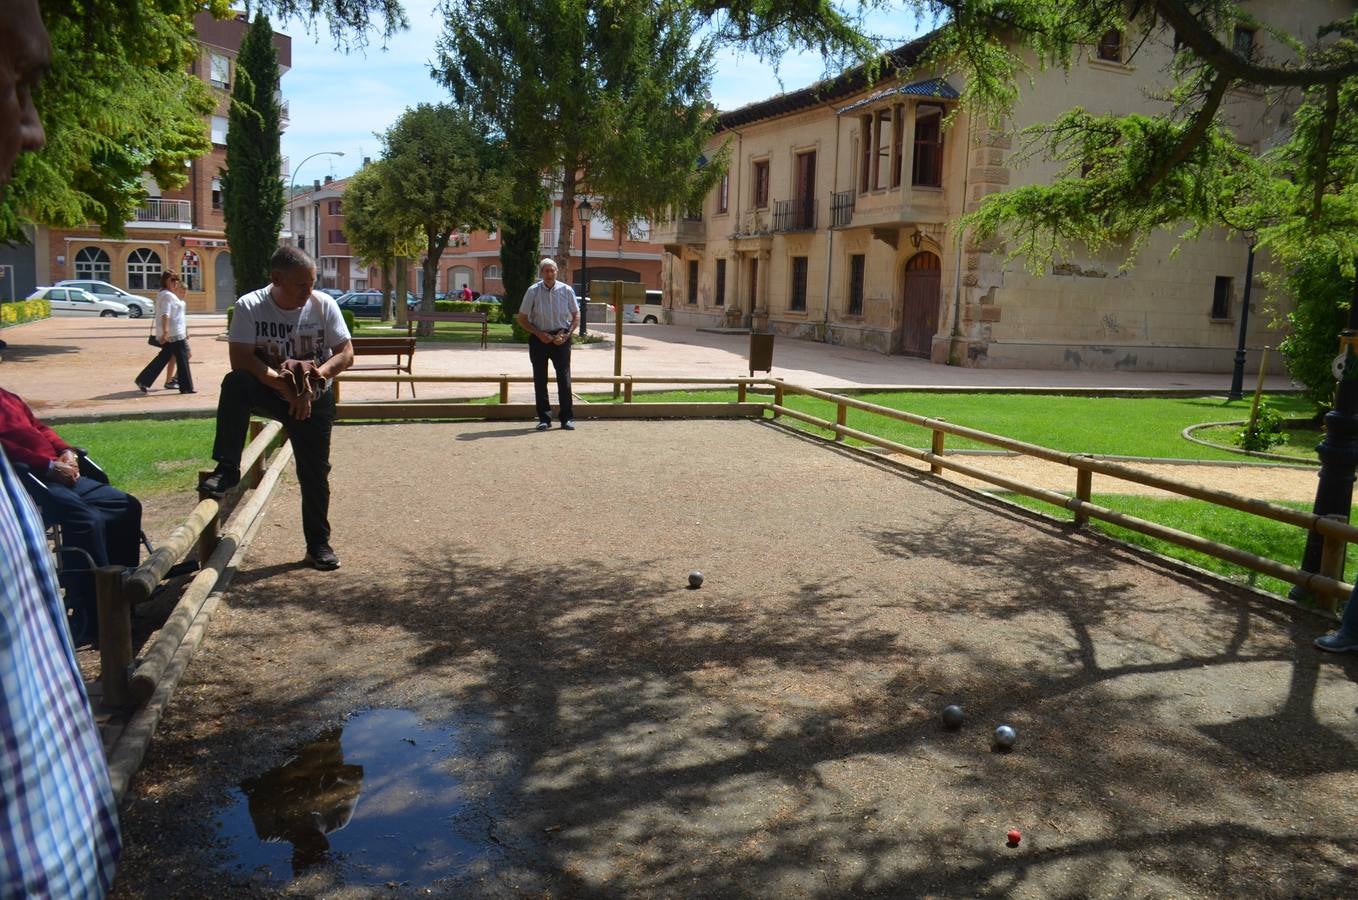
(444, 332)
(1300, 443)
(146, 456)
(1127, 426)
(1226, 526)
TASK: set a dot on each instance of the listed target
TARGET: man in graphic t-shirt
(287, 320)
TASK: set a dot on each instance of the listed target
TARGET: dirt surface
(776, 732)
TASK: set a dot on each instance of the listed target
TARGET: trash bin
(761, 352)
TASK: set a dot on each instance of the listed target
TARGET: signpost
(618, 294)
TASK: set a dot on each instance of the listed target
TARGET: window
(724, 193)
(219, 129)
(761, 184)
(797, 302)
(1110, 46)
(1221, 298)
(601, 228)
(335, 236)
(143, 270)
(640, 230)
(491, 273)
(1243, 42)
(720, 298)
(692, 281)
(92, 263)
(857, 265)
(219, 70)
(191, 271)
(216, 193)
(332, 208)
(897, 139)
(865, 153)
(882, 141)
(754, 282)
(927, 170)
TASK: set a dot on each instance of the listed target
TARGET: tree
(371, 224)
(440, 175)
(612, 97)
(120, 102)
(252, 182)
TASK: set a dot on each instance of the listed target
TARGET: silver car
(136, 306)
(69, 301)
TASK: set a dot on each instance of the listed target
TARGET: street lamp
(292, 185)
(584, 209)
(1238, 373)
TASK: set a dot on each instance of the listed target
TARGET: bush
(1266, 432)
(21, 311)
(349, 321)
(1321, 293)
(230, 311)
(492, 310)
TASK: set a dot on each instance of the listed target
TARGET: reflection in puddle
(374, 797)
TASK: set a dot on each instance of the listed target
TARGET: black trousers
(99, 519)
(180, 351)
(539, 352)
(243, 394)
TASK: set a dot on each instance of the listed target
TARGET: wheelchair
(82, 619)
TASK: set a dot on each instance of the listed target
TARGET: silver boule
(1005, 736)
(695, 579)
(953, 716)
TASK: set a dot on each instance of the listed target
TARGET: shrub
(230, 312)
(349, 321)
(1266, 432)
(492, 310)
(21, 311)
(1321, 293)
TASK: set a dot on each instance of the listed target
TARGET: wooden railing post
(1084, 480)
(208, 540)
(256, 468)
(335, 386)
(115, 634)
(1332, 555)
(504, 388)
(777, 397)
(627, 390)
(741, 389)
(936, 447)
(841, 419)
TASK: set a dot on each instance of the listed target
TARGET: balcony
(794, 215)
(547, 242)
(753, 223)
(688, 231)
(284, 116)
(841, 209)
(904, 206)
(158, 213)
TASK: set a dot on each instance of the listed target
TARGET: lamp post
(1238, 374)
(292, 184)
(584, 209)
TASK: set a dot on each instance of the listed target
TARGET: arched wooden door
(919, 317)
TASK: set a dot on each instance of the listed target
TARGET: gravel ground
(774, 733)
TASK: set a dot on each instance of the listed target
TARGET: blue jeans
(1348, 626)
(99, 519)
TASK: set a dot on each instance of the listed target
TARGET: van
(649, 312)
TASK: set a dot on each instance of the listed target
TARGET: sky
(338, 101)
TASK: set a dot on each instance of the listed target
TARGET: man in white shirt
(549, 314)
(287, 320)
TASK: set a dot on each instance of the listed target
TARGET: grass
(1123, 426)
(1300, 443)
(147, 456)
(444, 332)
(1253, 534)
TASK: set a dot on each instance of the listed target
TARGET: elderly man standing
(549, 314)
(287, 341)
(58, 819)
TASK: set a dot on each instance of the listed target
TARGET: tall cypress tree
(252, 185)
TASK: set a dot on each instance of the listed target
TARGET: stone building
(837, 221)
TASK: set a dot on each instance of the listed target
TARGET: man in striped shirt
(549, 314)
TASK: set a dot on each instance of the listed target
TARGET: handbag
(151, 339)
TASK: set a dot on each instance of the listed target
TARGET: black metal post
(1338, 450)
(584, 275)
(1238, 373)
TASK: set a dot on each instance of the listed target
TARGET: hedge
(21, 311)
(492, 310)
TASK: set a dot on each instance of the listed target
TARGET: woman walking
(173, 337)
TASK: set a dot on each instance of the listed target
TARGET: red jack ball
(1014, 836)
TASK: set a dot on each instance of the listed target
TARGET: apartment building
(837, 222)
(181, 229)
(315, 223)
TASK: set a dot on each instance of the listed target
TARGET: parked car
(649, 312)
(136, 306)
(334, 292)
(69, 301)
(368, 304)
(489, 298)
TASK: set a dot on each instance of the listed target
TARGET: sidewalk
(75, 366)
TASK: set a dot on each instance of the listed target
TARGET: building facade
(837, 221)
(315, 223)
(182, 229)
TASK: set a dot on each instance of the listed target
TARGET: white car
(649, 312)
(136, 306)
(69, 301)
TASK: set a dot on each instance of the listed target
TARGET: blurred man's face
(25, 53)
(292, 287)
(548, 275)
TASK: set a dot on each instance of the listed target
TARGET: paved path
(76, 366)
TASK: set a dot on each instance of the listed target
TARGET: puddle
(374, 798)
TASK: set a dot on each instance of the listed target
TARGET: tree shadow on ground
(788, 743)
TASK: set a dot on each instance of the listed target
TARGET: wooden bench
(386, 346)
(414, 317)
